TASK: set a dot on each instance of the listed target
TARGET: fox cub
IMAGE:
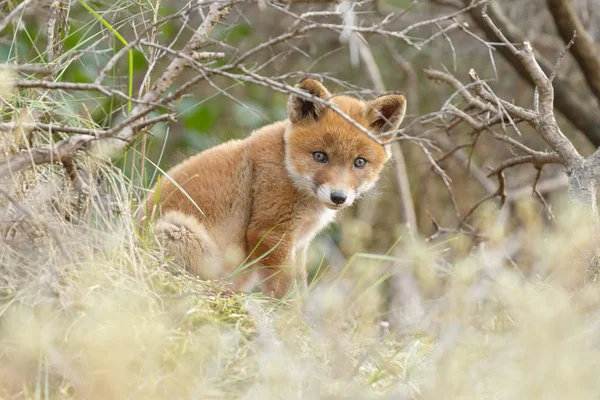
(265, 198)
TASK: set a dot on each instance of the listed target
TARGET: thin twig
(562, 55)
(18, 9)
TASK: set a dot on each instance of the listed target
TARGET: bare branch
(459, 87)
(500, 192)
(41, 69)
(16, 11)
(57, 152)
(64, 149)
(562, 55)
(568, 100)
(509, 108)
(547, 124)
(26, 84)
(9, 126)
(544, 121)
(585, 49)
(192, 57)
(538, 161)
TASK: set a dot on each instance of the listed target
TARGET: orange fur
(269, 192)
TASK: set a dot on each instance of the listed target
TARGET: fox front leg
(281, 278)
(277, 273)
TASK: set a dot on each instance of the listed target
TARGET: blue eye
(360, 162)
(320, 157)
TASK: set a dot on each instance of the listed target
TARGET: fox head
(329, 157)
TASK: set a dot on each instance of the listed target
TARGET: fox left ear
(299, 108)
(385, 113)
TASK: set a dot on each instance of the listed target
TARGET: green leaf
(139, 61)
(237, 34)
(196, 117)
(74, 37)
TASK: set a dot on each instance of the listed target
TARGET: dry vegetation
(91, 310)
(498, 300)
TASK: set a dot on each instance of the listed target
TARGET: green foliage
(140, 64)
(197, 117)
(235, 34)
(80, 72)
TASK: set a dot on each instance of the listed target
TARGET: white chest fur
(311, 224)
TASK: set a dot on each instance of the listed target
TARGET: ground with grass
(92, 309)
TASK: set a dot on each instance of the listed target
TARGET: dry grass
(112, 318)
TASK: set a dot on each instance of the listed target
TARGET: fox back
(260, 201)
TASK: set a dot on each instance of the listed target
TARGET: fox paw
(173, 232)
(167, 231)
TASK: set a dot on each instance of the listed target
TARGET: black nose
(338, 197)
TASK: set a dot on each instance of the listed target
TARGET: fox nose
(338, 197)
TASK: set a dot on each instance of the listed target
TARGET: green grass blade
(122, 40)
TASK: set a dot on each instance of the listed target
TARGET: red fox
(265, 198)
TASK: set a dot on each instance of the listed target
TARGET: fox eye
(360, 162)
(320, 157)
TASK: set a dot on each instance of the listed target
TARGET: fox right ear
(385, 113)
(299, 108)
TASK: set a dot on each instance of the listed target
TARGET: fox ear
(385, 113)
(299, 108)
